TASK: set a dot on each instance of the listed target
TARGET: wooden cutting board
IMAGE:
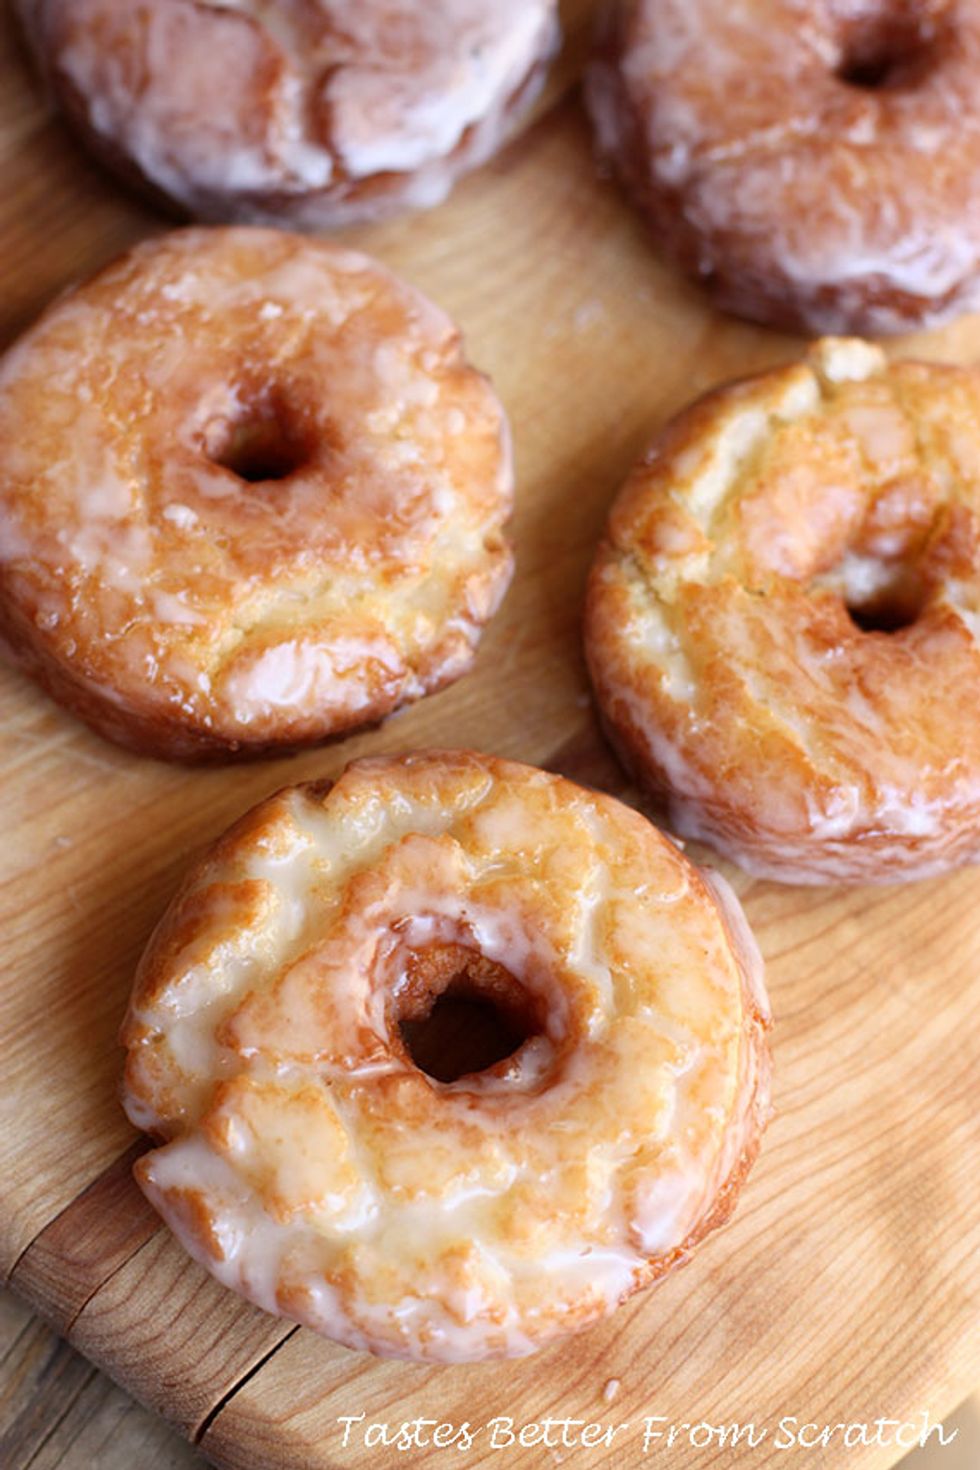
(847, 1288)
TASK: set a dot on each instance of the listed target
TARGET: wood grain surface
(57, 1412)
(847, 1287)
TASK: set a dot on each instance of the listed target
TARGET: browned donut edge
(167, 937)
(758, 1113)
(152, 734)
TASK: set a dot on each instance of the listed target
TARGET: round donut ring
(309, 113)
(814, 163)
(783, 621)
(311, 1165)
(251, 495)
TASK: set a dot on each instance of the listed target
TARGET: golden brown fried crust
(313, 1166)
(782, 619)
(262, 500)
(814, 166)
(310, 115)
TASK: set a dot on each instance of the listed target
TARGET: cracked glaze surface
(804, 742)
(799, 197)
(312, 1167)
(185, 611)
(315, 113)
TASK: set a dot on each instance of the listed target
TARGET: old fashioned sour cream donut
(313, 1166)
(783, 621)
(251, 495)
(313, 113)
(815, 163)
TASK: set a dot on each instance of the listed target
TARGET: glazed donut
(311, 1165)
(310, 113)
(258, 500)
(783, 619)
(815, 163)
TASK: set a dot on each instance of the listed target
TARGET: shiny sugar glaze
(312, 113)
(783, 618)
(262, 500)
(814, 163)
(311, 1166)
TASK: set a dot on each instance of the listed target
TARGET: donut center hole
(460, 1013)
(882, 617)
(886, 52)
(262, 444)
(894, 600)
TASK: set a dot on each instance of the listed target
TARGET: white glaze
(319, 114)
(263, 614)
(331, 1180)
(800, 199)
(847, 756)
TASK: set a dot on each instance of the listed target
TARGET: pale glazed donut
(816, 163)
(251, 495)
(312, 113)
(311, 1165)
(783, 621)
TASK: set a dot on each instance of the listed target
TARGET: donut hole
(887, 603)
(460, 1013)
(886, 52)
(882, 617)
(263, 443)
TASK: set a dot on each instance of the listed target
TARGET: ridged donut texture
(815, 163)
(310, 1164)
(310, 113)
(783, 621)
(153, 578)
